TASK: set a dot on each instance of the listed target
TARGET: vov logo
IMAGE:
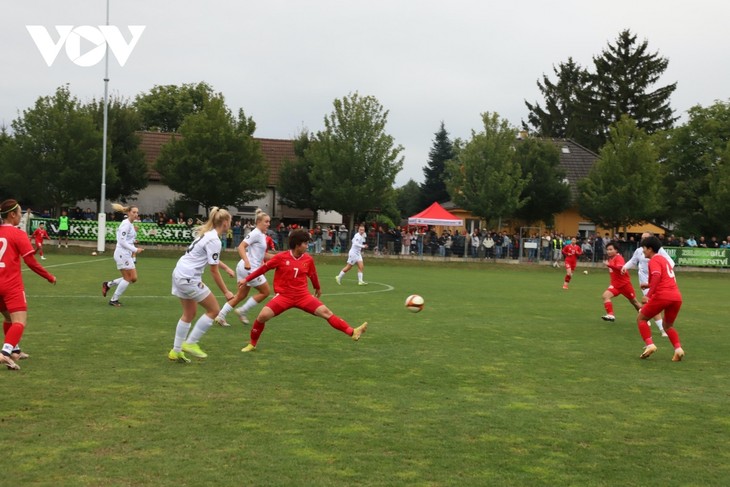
(98, 37)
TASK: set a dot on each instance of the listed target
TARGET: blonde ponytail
(215, 218)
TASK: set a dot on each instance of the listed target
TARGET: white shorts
(242, 273)
(353, 259)
(185, 288)
(124, 259)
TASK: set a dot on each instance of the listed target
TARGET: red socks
(256, 330)
(645, 332)
(14, 333)
(609, 307)
(339, 324)
(673, 336)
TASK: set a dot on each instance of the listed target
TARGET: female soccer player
(39, 235)
(14, 244)
(124, 254)
(253, 252)
(355, 256)
(188, 285)
(571, 252)
(620, 282)
(663, 296)
(293, 267)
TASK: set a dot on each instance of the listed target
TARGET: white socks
(201, 326)
(122, 286)
(181, 333)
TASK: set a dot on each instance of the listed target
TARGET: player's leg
(276, 306)
(646, 311)
(129, 276)
(568, 274)
(344, 270)
(263, 292)
(189, 306)
(210, 304)
(670, 315)
(608, 305)
(317, 308)
(360, 267)
(14, 333)
(241, 294)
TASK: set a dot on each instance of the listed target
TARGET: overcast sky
(285, 61)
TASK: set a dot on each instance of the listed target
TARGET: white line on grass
(51, 266)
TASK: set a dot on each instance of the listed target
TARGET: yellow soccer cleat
(248, 348)
(357, 332)
(648, 351)
(194, 350)
(178, 357)
(678, 355)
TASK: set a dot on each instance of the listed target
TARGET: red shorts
(13, 299)
(656, 306)
(279, 303)
(627, 291)
(570, 264)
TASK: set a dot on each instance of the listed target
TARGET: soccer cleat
(664, 333)
(648, 350)
(178, 357)
(357, 332)
(608, 318)
(194, 350)
(115, 303)
(248, 348)
(362, 283)
(221, 321)
(678, 355)
(565, 286)
(9, 363)
(242, 316)
(18, 355)
(43, 257)
(338, 280)
(104, 288)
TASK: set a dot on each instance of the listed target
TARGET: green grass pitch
(503, 379)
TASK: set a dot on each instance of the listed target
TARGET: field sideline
(503, 379)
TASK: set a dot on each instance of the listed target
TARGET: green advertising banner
(147, 233)
(699, 257)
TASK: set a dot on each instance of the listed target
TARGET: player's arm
(315, 281)
(215, 272)
(243, 253)
(266, 266)
(35, 266)
(228, 270)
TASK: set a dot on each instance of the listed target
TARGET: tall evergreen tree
(434, 186)
(621, 84)
(560, 116)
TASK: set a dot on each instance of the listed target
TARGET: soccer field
(503, 379)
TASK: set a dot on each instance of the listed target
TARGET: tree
(407, 199)
(434, 186)
(717, 200)
(54, 156)
(295, 186)
(546, 193)
(694, 156)
(165, 106)
(216, 161)
(561, 115)
(127, 171)
(484, 178)
(622, 188)
(621, 84)
(354, 161)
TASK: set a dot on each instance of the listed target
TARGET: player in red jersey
(571, 251)
(620, 283)
(14, 245)
(293, 268)
(39, 235)
(663, 295)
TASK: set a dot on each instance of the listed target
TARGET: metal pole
(101, 236)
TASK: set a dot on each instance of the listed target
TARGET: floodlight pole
(101, 235)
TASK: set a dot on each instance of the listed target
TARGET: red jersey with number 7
(662, 283)
(290, 277)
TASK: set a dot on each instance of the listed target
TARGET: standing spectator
(354, 257)
(25, 221)
(327, 237)
(317, 237)
(691, 242)
(188, 285)
(39, 235)
(663, 297)
(474, 241)
(702, 242)
(343, 237)
(237, 233)
(88, 214)
(571, 252)
(63, 228)
(293, 269)
(13, 304)
(620, 282)
(124, 254)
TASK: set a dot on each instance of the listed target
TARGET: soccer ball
(414, 303)
(585, 272)
(93, 253)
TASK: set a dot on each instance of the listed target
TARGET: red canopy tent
(435, 215)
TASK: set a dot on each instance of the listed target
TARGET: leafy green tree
(546, 193)
(484, 178)
(5, 141)
(694, 156)
(354, 161)
(622, 84)
(295, 187)
(127, 171)
(54, 156)
(216, 161)
(622, 188)
(561, 115)
(434, 186)
(717, 200)
(407, 199)
(165, 107)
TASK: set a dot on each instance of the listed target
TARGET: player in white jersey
(124, 254)
(639, 260)
(354, 257)
(188, 285)
(253, 253)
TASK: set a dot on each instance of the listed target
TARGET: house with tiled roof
(157, 196)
